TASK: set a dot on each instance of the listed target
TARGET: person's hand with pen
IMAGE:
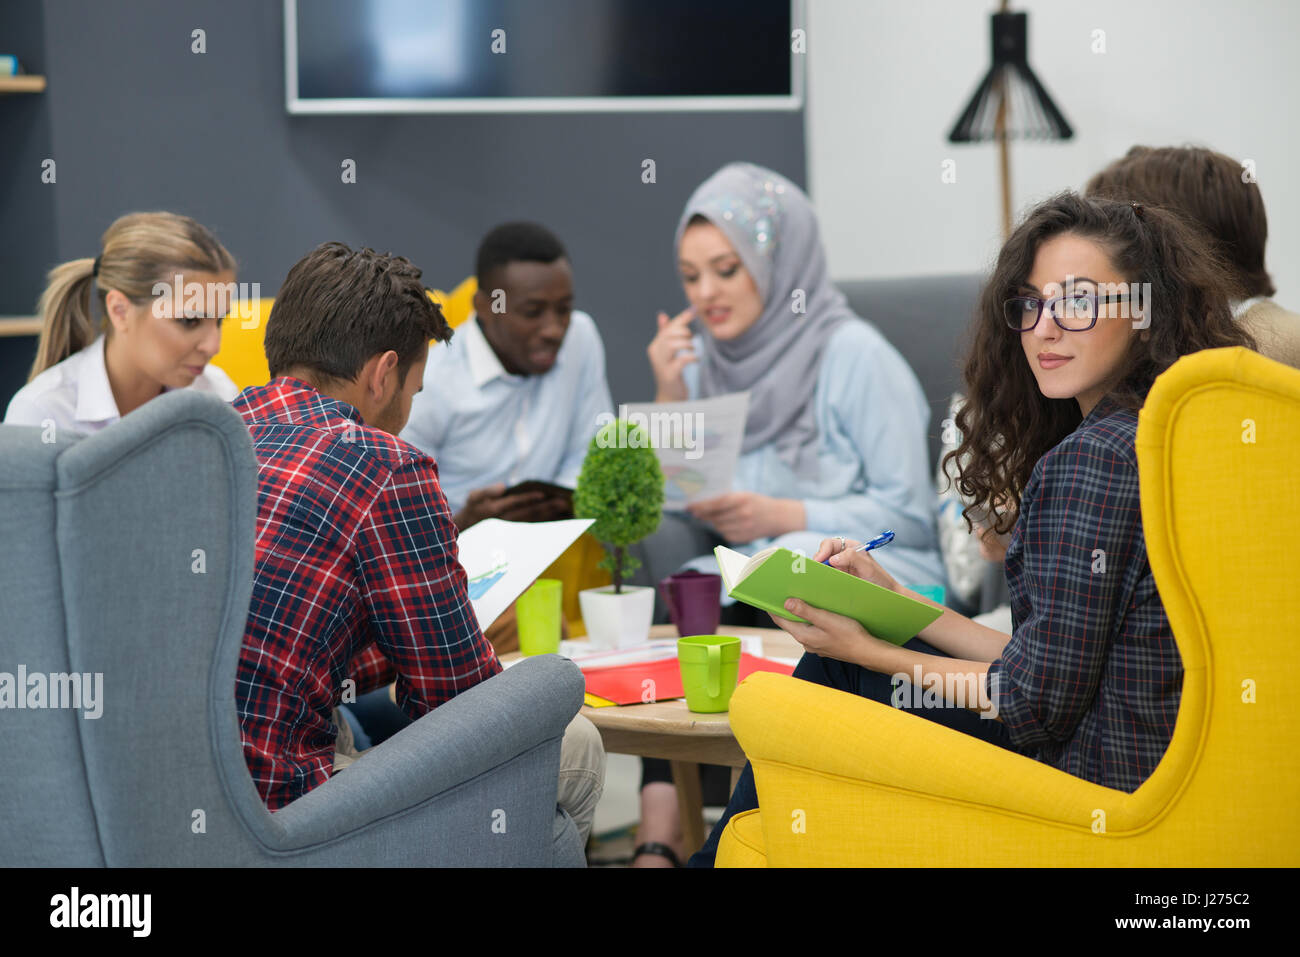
(853, 557)
(836, 636)
(741, 517)
(881, 540)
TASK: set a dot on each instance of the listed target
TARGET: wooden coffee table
(667, 729)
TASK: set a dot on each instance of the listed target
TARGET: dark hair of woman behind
(1210, 189)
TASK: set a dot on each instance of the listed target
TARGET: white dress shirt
(1239, 309)
(483, 425)
(75, 394)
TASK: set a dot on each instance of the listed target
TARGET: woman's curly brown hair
(1007, 424)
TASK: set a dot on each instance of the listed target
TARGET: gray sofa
(929, 320)
(99, 573)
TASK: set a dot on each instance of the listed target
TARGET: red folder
(625, 684)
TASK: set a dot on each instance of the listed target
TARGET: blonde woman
(142, 317)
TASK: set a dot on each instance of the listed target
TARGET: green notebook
(775, 574)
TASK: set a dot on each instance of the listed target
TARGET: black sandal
(654, 847)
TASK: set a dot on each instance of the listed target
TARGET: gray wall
(137, 121)
(27, 244)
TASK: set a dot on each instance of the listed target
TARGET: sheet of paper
(501, 559)
(650, 651)
(655, 650)
(698, 443)
(582, 655)
(731, 564)
(568, 649)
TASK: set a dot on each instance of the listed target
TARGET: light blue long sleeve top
(873, 463)
(483, 425)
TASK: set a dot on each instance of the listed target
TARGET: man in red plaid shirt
(357, 574)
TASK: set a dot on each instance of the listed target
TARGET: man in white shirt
(518, 393)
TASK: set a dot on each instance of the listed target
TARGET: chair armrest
(479, 730)
(782, 720)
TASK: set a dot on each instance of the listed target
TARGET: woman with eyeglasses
(1090, 300)
(121, 328)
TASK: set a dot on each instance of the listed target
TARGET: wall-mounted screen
(480, 56)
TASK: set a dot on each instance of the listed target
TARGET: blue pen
(884, 538)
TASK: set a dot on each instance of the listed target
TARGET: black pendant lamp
(1010, 102)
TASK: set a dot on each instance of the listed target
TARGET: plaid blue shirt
(1091, 679)
(356, 568)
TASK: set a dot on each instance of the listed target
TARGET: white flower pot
(617, 621)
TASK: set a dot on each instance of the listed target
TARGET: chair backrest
(928, 320)
(129, 557)
(1220, 465)
(46, 816)
(242, 355)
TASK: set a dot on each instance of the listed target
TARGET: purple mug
(694, 601)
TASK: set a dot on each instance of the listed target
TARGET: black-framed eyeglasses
(1077, 312)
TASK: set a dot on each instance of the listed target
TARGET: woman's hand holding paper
(741, 517)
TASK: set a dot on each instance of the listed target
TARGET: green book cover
(775, 574)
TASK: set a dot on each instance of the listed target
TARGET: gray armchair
(129, 554)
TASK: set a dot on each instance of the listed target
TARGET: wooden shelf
(20, 326)
(23, 83)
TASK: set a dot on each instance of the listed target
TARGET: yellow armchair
(241, 355)
(243, 359)
(459, 303)
(843, 781)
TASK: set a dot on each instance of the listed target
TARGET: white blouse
(75, 394)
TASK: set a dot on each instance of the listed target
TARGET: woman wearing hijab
(835, 440)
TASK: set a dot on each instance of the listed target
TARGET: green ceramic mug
(537, 613)
(710, 666)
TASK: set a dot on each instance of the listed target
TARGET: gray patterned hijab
(770, 223)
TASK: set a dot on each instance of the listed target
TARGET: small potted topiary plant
(622, 487)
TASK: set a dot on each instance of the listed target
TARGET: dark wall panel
(138, 121)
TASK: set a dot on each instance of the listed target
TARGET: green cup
(537, 612)
(710, 667)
